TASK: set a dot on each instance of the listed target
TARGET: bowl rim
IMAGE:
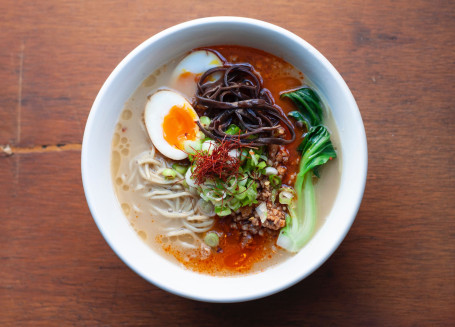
(362, 145)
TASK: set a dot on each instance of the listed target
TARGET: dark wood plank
(396, 266)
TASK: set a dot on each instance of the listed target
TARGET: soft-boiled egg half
(170, 122)
(190, 69)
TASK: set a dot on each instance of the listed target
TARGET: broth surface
(131, 138)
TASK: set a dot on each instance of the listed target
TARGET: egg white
(158, 106)
(196, 63)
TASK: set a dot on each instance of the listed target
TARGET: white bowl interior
(124, 80)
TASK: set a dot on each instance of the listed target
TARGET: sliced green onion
(180, 169)
(275, 180)
(248, 166)
(273, 195)
(243, 155)
(285, 197)
(205, 121)
(211, 239)
(251, 193)
(214, 196)
(169, 173)
(242, 180)
(241, 194)
(254, 158)
(231, 183)
(233, 130)
(222, 211)
(191, 147)
(248, 202)
(234, 204)
(262, 165)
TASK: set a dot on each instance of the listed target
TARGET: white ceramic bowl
(128, 75)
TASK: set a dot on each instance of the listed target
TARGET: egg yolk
(187, 75)
(179, 126)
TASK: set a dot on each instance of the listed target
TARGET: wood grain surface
(396, 266)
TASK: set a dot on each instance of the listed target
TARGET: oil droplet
(127, 114)
(115, 162)
(115, 139)
(126, 187)
(142, 234)
(118, 126)
(118, 181)
(126, 208)
(125, 152)
(149, 81)
(124, 140)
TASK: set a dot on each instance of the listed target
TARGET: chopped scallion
(169, 173)
(180, 169)
(275, 180)
(211, 239)
(233, 130)
(205, 121)
(262, 165)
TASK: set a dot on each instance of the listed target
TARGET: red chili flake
(218, 164)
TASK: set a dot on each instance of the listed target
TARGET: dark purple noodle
(239, 98)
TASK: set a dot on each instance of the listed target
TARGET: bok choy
(309, 105)
(316, 149)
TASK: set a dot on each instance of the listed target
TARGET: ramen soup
(225, 160)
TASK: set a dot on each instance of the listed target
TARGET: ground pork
(275, 217)
(278, 154)
(247, 220)
(278, 157)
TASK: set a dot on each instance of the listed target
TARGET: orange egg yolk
(179, 126)
(189, 76)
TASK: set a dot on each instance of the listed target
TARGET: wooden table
(395, 267)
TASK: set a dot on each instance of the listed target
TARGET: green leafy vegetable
(316, 149)
(309, 105)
